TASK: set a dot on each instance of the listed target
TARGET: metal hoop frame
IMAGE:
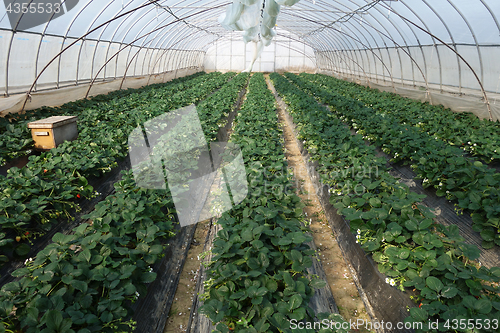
(380, 40)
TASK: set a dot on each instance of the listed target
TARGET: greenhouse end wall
(285, 53)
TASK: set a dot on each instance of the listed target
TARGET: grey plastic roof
(347, 31)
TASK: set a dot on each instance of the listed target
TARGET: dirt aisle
(179, 312)
(341, 283)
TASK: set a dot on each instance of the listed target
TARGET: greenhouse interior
(250, 166)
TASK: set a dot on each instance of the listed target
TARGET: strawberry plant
(36, 196)
(480, 138)
(257, 279)
(94, 275)
(15, 137)
(471, 184)
(408, 246)
(86, 281)
(214, 110)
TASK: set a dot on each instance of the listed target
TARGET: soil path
(344, 291)
(178, 317)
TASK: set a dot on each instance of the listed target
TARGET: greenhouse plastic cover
(446, 48)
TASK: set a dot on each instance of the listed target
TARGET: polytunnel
(445, 49)
(309, 165)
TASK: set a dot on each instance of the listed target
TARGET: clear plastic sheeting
(97, 41)
(415, 43)
(447, 47)
(56, 97)
(471, 101)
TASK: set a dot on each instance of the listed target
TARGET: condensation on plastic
(248, 2)
(272, 8)
(268, 20)
(250, 17)
(233, 13)
(250, 34)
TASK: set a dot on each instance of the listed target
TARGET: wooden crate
(50, 132)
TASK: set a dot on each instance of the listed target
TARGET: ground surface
(181, 307)
(338, 275)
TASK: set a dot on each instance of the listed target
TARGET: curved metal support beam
(397, 46)
(346, 49)
(110, 42)
(73, 43)
(356, 63)
(473, 36)
(40, 46)
(409, 55)
(453, 43)
(354, 27)
(421, 47)
(83, 43)
(360, 42)
(180, 39)
(395, 43)
(459, 55)
(145, 35)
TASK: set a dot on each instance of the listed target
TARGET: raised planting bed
(257, 278)
(112, 261)
(471, 184)
(87, 280)
(410, 252)
(480, 138)
(216, 114)
(446, 210)
(104, 187)
(51, 187)
(15, 137)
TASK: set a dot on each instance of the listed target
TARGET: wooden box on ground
(50, 132)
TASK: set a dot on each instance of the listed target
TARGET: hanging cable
(169, 10)
(360, 11)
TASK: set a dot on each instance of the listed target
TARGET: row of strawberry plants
(15, 137)
(213, 111)
(34, 197)
(389, 223)
(86, 282)
(257, 277)
(478, 137)
(471, 184)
